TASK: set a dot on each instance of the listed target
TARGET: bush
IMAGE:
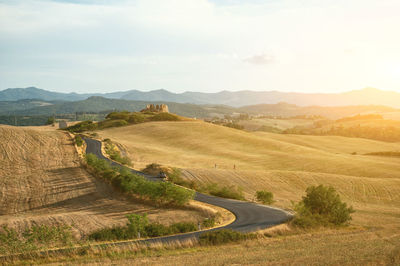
(50, 121)
(78, 141)
(223, 236)
(230, 192)
(322, 207)
(265, 197)
(208, 222)
(182, 227)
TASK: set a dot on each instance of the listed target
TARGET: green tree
(322, 206)
(51, 120)
(265, 197)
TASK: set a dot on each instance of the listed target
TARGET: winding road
(249, 216)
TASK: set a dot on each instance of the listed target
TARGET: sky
(200, 45)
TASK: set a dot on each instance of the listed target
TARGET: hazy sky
(199, 45)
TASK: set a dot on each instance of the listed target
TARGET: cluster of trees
(118, 119)
(160, 193)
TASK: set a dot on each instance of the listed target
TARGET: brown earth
(42, 182)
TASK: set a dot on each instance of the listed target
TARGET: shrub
(78, 141)
(322, 207)
(182, 227)
(265, 197)
(50, 121)
(208, 222)
(230, 192)
(223, 236)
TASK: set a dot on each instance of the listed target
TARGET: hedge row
(161, 193)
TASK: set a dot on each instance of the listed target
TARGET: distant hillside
(97, 104)
(333, 112)
(16, 94)
(101, 104)
(366, 96)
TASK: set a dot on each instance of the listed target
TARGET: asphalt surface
(250, 217)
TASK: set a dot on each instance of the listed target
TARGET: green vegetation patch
(115, 153)
(139, 226)
(119, 119)
(160, 193)
(322, 206)
(265, 197)
(37, 237)
(78, 141)
(223, 236)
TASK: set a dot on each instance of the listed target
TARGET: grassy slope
(201, 145)
(42, 181)
(283, 164)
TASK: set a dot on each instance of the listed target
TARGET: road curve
(249, 216)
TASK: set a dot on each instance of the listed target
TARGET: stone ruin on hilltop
(162, 108)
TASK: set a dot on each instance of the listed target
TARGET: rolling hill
(42, 182)
(282, 164)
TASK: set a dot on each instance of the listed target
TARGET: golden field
(284, 165)
(42, 182)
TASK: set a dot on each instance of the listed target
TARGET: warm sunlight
(200, 132)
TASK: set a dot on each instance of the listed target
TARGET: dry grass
(42, 182)
(351, 246)
(284, 165)
(276, 124)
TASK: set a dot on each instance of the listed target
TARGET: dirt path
(41, 182)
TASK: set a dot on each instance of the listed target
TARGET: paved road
(249, 216)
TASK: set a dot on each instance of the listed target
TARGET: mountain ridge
(366, 96)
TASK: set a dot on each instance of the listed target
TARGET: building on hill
(162, 108)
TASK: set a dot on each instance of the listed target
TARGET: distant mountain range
(97, 104)
(368, 96)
